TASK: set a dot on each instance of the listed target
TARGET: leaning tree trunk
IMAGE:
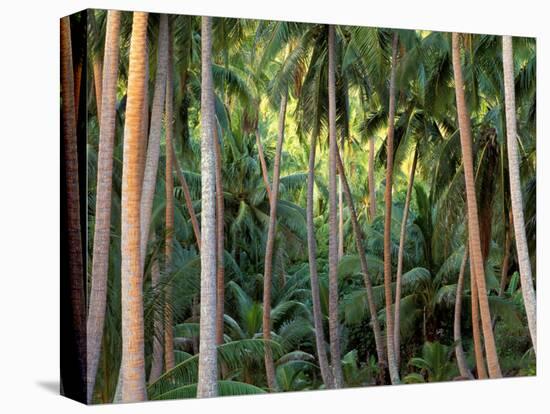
(473, 223)
(397, 308)
(133, 358)
(526, 278)
(153, 147)
(394, 371)
(476, 332)
(220, 271)
(208, 365)
(102, 228)
(76, 372)
(169, 358)
(270, 243)
(334, 326)
(457, 333)
(263, 165)
(372, 185)
(326, 373)
(378, 339)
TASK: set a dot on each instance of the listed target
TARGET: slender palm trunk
(270, 243)
(153, 147)
(187, 197)
(334, 323)
(473, 223)
(72, 228)
(208, 366)
(326, 373)
(263, 164)
(394, 371)
(378, 339)
(372, 185)
(476, 332)
(397, 309)
(97, 67)
(102, 228)
(133, 358)
(220, 274)
(526, 278)
(169, 358)
(158, 324)
(505, 262)
(340, 214)
(457, 333)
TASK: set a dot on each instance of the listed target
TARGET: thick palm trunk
(476, 332)
(473, 224)
(372, 185)
(526, 278)
(394, 371)
(457, 332)
(270, 243)
(133, 358)
(208, 366)
(220, 271)
(169, 358)
(153, 147)
(397, 308)
(334, 323)
(187, 197)
(378, 339)
(263, 164)
(326, 373)
(144, 121)
(75, 378)
(102, 228)
(158, 325)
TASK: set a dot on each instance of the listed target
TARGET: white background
(29, 203)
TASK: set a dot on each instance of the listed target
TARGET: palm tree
(457, 334)
(392, 363)
(208, 367)
(372, 185)
(270, 243)
(220, 216)
(397, 310)
(476, 333)
(153, 146)
(74, 375)
(102, 228)
(473, 224)
(334, 328)
(526, 278)
(133, 359)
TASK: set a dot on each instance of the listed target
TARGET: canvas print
(254, 206)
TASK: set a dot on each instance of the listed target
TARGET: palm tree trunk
(397, 310)
(75, 373)
(220, 276)
(526, 278)
(208, 366)
(187, 197)
(340, 215)
(97, 67)
(372, 185)
(144, 122)
(169, 358)
(263, 164)
(133, 358)
(326, 373)
(394, 371)
(505, 262)
(270, 243)
(158, 325)
(459, 350)
(473, 224)
(102, 228)
(476, 333)
(379, 342)
(153, 147)
(334, 323)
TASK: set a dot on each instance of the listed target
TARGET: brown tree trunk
(372, 185)
(334, 322)
(270, 243)
(476, 333)
(102, 228)
(133, 358)
(394, 371)
(263, 164)
(473, 224)
(457, 333)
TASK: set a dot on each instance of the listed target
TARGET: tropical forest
(277, 206)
